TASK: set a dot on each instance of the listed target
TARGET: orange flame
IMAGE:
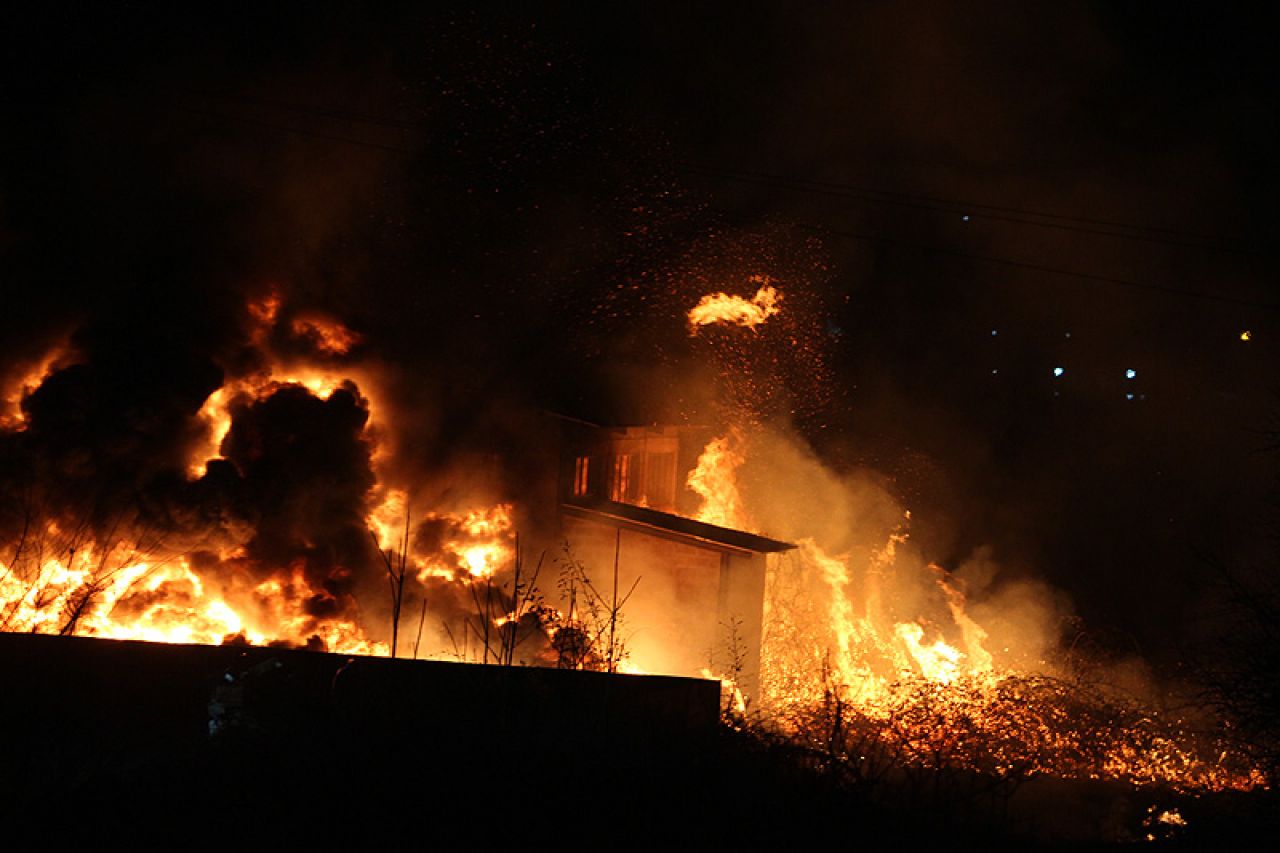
(482, 542)
(732, 310)
(714, 479)
(166, 602)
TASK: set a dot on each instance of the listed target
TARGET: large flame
(119, 596)
(714, 479)
(929, 686)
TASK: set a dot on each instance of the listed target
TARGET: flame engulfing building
(692, 593)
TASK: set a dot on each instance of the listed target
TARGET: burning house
(696, 589)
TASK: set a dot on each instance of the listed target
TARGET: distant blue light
(994, 333)
(994, 371)
(1129, 396)
(1058, 371)
(964, 218)
(1130, 374)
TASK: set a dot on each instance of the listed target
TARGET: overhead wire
(1002, 213)
(1041, 268)
(821, 229)
(997, 213)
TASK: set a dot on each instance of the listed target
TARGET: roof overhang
(675, 527)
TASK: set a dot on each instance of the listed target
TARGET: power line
(1099, 227)
(937, 204)
(1027, 265)
(874, 238)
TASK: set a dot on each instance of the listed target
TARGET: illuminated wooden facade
(699, 596)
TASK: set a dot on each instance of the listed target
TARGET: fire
(912, 673)
(388, 519)
(733, 310)
(714, 479)
(94, 595)
(68, 579)
(835, 646)
(937, 661)
(478, 544)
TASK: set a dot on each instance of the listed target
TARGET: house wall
(677, 620)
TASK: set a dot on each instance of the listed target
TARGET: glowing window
(621, 484)
(581, 476)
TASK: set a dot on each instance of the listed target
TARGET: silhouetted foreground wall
(61, 684)
(103, 736)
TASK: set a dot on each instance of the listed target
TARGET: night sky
(516, 210)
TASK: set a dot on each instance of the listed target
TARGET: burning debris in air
(726, 309)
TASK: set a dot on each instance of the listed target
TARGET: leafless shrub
(594, 621)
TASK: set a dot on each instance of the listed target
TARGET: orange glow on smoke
(26, 378)
(328, 336)
(731, 310)
(62, 582)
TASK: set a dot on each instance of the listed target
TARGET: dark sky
(503, 203)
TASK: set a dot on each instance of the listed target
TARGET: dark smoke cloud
(305, 474)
